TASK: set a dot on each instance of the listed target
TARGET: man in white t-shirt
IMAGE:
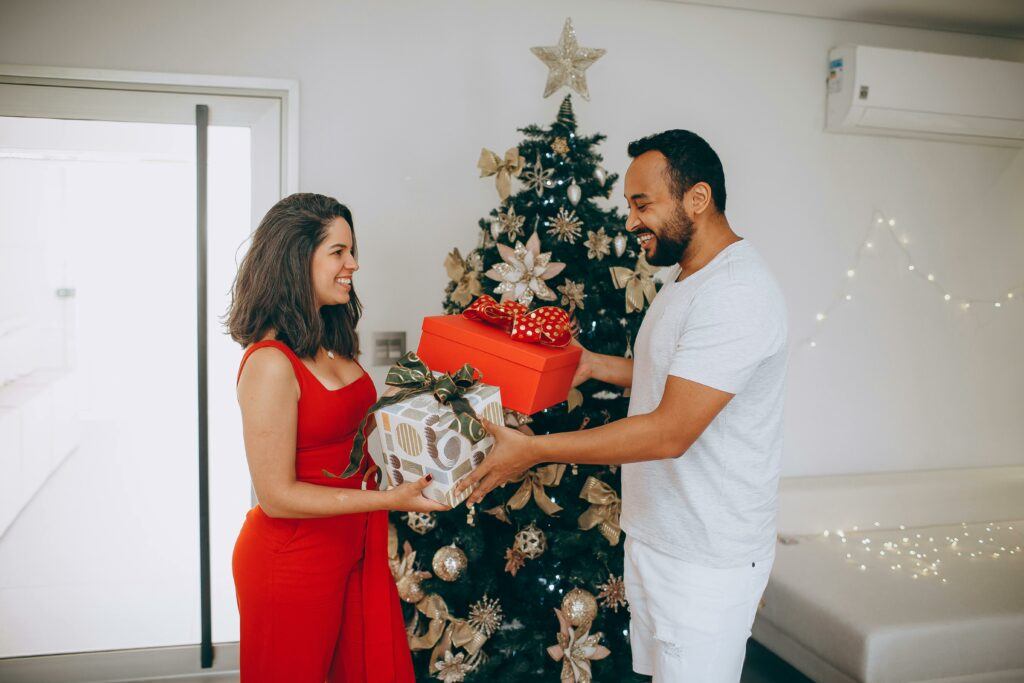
(701, 447)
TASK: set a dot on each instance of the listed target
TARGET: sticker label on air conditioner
(835, 75)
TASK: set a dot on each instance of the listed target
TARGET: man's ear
(699, 199)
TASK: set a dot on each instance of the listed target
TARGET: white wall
(397, 99)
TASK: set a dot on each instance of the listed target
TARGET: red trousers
(317, 601)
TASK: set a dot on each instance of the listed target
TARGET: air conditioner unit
(879, 91)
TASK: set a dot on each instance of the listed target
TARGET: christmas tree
(551, 540)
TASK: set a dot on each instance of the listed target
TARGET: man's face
(657, 216)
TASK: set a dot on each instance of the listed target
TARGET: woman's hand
(408, 497)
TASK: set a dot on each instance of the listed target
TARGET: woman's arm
(611, 369)
(268, 395)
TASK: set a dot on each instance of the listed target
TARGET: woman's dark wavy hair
(273, 289)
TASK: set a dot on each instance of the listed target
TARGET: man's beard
(672, 240)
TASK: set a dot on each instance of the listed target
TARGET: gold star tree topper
(567, 62)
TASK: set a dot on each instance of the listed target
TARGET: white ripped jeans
(689, 623)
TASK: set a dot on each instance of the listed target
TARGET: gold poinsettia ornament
(576, 649)
(508, 223)
(598, 244)
(521, 277)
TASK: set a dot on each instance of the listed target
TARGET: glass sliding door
(99, 397)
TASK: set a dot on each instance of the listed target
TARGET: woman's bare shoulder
(266, 367)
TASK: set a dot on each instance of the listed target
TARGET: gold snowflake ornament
(566, 226)
(613, 593)
(486, 616)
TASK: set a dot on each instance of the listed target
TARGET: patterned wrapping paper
(417, 437)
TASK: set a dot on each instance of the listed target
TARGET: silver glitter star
(567, 62)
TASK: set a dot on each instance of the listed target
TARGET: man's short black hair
(690, 161)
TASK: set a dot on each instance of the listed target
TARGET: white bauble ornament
(620, 244)
(574, 193)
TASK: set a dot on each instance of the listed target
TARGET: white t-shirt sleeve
(731, 328)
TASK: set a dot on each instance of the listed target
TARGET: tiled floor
(761, 667)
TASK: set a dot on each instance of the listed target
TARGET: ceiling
(1003, 18)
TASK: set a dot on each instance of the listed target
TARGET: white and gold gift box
(417, 437)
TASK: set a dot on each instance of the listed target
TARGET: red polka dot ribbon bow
(547, 325)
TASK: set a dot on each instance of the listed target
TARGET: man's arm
(685, 411)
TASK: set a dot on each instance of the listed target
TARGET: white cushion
(881, 625)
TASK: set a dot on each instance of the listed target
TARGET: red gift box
(532, 377)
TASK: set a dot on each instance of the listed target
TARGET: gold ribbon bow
(639, 283)
(490, 164)
(576, 649)
(605, 508)
(466, 278)
(443, 631)
(534, 482)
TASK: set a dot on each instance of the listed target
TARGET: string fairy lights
(880, 226)
(921, 553)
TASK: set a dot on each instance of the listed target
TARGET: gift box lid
(495, 341)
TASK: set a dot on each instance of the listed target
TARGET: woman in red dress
(315, 593)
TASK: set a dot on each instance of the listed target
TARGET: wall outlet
(388, 347)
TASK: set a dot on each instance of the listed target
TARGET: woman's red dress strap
(273, 343)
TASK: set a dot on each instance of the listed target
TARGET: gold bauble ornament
(531, 542)
(449, 562)
(579, 607)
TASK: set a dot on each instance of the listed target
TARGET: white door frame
(285, 90)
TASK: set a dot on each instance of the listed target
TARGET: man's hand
(511, 455)
(585, 368)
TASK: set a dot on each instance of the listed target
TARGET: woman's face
(333, 265)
